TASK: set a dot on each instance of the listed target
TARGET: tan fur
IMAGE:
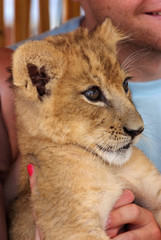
(74, 142)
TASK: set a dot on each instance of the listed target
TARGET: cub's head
(70, 89)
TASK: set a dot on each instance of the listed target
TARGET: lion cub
(77, 124)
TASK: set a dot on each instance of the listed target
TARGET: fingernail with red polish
(30, 169)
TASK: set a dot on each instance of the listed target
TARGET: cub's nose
(133, 133)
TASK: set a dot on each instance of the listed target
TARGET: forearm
(6, 100)
(8, 143)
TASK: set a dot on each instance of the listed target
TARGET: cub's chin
(115, 157)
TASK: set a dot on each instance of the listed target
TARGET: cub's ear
(36, 65)
(110, 34)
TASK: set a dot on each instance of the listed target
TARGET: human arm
(5, 146)
(6, 98)
(9, 154)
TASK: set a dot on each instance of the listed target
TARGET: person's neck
(142, 64)
(89, 22)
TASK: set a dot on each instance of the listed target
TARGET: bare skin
(131, 16)
(8, 133)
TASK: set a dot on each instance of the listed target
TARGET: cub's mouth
(116, 154)
(127, 146)
(112, 149)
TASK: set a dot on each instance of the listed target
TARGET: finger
(130, 214)
(113, 232)
(130, 235)
(150, 231)
(127, 197)
(30, 169)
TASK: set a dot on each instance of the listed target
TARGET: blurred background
(21, 19)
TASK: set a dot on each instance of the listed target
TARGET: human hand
(139, 222)
(32, 179)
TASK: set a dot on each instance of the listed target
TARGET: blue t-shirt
(146, 97)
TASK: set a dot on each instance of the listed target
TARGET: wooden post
(2, 31)
(22, 19)
(44, 15)
(70, 9)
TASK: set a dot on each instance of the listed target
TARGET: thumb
(32, 178)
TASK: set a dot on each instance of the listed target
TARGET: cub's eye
(93, 94)
(125, 84)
